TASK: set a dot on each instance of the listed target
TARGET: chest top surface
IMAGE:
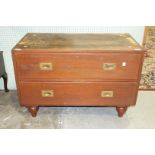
(78, 41)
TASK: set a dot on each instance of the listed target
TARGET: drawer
(78, 93)
(76, 66)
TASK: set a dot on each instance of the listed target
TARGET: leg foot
(5, 79)
(121, 110)
(33, 111)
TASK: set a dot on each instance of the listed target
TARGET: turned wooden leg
(5, 79)
(33, 111)
(121, 111)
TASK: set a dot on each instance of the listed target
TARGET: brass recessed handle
(47, 93)
(46, 66)
(107, 93)
(109, 66)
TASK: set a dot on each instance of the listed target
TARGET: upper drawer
(76, 66)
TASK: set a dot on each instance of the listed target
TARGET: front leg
(5, 79)
(121, 110)
(33, 110)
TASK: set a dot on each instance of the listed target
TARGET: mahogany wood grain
(121, 110)
(77, 66)
(33, 110)
(77, 77)
(78, 93)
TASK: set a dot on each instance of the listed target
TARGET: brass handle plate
(46, 66)
(109, 66)
(107, 93)
(47, 93)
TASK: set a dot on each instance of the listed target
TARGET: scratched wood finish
(77, 77)
(76, 41)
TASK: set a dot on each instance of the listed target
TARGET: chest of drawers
(77, 70)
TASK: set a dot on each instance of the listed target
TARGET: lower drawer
(78, 93)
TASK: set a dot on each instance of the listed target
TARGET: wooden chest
(77, 70)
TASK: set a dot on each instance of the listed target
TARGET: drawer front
(76, 66)
(78, 94)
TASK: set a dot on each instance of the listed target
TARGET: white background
(76, 13)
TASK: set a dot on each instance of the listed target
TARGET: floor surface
(13, 116)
